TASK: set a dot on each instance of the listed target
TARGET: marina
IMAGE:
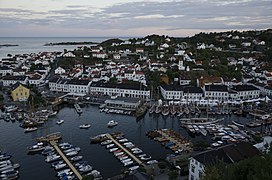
(134, 131)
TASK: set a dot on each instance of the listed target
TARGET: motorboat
(72, 149)
(81, 163)
(112, 123)
(60, 166)
(128, 163)
(152, 162)
(36, 147)
(67, 146)
(86, 168)
(9, 175)
(238, 124)
(95, 173)
(85, 126)
(52, 158)
(123, 140)
(110, 146)
(9, 167)
(113, 149)
(106, 142)
(30, 129)
(126, 160)
(145, 158)
(65, 171)
(4, 157)
(133, 168)
(54, 164)
(73, 153)
(76, 158)
(59, 122)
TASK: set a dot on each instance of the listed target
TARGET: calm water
(14, 141)
(36, 44)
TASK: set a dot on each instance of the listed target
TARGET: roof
(244, 88)
(172, 87)
(192, 89)
(79, 82)
(16, 85)
(216, 88)
(14, 78)
(228, 154)
(136, 85)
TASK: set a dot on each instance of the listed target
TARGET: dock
(125, 150)
(77, 174)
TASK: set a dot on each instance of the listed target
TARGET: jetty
(125, 150)
(78, 109)
(50, 137)
(55, 145)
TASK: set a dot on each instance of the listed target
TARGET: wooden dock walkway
(125, 150)
(54, 144)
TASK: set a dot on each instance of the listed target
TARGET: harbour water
(14, 141)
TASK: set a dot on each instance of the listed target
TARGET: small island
(69, 43)
(8, 45)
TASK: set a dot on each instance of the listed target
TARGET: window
(192, 177)
(193, 168)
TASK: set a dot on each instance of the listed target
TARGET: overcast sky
(130, 17)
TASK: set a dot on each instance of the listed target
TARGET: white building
(216, 92)
(4, 70)
(246, 92)
(132, 90)
(35, 80)
(60, 70)
(171, 92)
(181, 67)
(10, 80)
(228, 154)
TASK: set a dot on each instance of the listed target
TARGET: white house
(231, 153)
(171, 92)
(116, 56)
(216, 92)
(132, 90)
(10, 80)
(4, 70)
(60, 70)
(35, 80)
(246, 92)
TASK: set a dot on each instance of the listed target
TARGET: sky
(130, 18)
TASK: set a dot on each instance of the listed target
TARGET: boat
(158, 109)
(238, 124)
(59, 122)
(165, 111)
(113, 149)
(152, 109)
(37, 147)
(112, 123)
(60, 166)
(85, 126)
(52, 158)
(253, 124)
(10, 167)
(78, 109)
(106, 142)
(4, 157)
(12, 174)
(73, 153)
(133, 168)
(30, 129)
(86, 168)
(128, 163)
(76, 158)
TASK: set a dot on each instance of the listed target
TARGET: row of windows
(21, 94)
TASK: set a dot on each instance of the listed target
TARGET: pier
(125, 150)
(77, 174)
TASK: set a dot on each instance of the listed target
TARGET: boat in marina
(173, 111)
(238, 124)
(165, 111)
(30, 129)
(50, 137)
(112, 123)
(85, 126)
(36, 147)
(59, 122)
(199, 121)
(254, 124)
(78, 109)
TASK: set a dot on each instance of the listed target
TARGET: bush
(162, 165)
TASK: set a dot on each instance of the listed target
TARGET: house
(19, 92)
(60, 70)
(184, 81)
(192, 94)
(131, 90)
(68, 54)
(229, 154)
(4, 71)
(10, 80)
(139, 50)
(202, 81)
(116, 56)
(35, 80)
(246, 92)
(171, 92)
(216, 92)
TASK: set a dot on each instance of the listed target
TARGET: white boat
(133, 168)
(60, 121)
(30, 129)
(86, 168)
(238, 124)
(109, 146)
(128, 163)
(106, 142)
(113, 149)
(112, 123)
(60, 166)
(85, 126)
(73, 153)
(37, 147)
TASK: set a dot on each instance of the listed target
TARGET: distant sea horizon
(28, 45)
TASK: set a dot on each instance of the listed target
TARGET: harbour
(134, 130)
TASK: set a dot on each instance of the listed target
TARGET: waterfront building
(19, 92)
(171, 92)
(192, 94)
(228, 154)
(123, 103)
(216, 92)
(246, 92)
(131, 90)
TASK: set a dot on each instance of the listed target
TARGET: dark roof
(192, 89)
(172, 87)
(136, 85)
(244, 88)
(228, 154)
(15, 78)
(216, 88)
(79, 82)
(14, 86)
(4, 68)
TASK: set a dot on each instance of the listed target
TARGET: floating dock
(125, 150)
(55, 145)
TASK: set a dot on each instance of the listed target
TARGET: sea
(36, 44)
(14, 141)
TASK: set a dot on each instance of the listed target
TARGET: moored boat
(85, 126)
(112, 123)
(30, 129)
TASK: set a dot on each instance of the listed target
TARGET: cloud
(166, 16)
